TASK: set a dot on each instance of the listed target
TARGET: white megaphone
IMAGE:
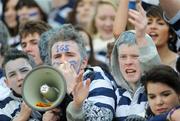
(44, 88)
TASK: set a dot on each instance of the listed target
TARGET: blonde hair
(92, 28)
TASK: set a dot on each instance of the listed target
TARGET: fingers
(88, 82)
(141, 10)
(79, 77)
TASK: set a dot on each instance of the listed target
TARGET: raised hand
(80, 91)
(139, 20)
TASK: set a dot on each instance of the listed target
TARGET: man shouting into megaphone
(92, 91)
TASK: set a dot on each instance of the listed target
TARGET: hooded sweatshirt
(131, 101)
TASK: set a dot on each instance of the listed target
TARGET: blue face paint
(62, 48)
(56, 64)
(74, 64)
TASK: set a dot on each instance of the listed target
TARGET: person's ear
(6, 82)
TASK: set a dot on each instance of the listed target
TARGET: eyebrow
(161, 92)
(24, 68)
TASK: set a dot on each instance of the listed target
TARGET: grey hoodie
(148, 57)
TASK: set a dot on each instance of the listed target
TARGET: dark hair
(31, 27)
(31, 4)
(13, 54)
(72, 15)
(12, 31)
(162, 74)
(4, 34)
(157, 11)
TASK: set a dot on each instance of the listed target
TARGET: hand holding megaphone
(51, 115)
(69, 74)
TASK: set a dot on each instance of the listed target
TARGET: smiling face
(161, 97)
(66, 51)
(10, 13)
(158, 30)
(30, 46)
(104, 20)
(16, 70)
(84, 11)
(129, 63)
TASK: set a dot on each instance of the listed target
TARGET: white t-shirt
(4, 90)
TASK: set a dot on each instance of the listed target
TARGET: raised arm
(171, 7)
(121, 18)
(139, 20)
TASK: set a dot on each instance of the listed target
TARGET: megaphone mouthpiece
(49, 93)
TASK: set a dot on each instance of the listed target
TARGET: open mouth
(130, 71)
(153, 35)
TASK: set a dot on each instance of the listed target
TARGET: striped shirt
(10, 108)
(128, 105)
(101, 101)
(175, 22)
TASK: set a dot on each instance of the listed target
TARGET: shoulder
(8, 108)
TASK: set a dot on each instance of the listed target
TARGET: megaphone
(44, 88)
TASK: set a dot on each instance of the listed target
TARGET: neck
(166, 55)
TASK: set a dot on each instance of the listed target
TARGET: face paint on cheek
(56, 64)
(62, 48)
(75, 65)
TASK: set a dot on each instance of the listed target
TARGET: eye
(57, 56)
(166, 94)
(152, 96)
(122, 56)
(12, 75)
(23, 45)
(161, 23)
(134, 56)
(69, 54)
(34, 42)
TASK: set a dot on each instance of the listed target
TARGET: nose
(108, 22)
(28, 48)
(153, 25)
(63, 59)
(159, 101)
(87, 7)
(19, 77)
(128, 61)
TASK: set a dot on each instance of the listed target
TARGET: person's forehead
(29, 36)
(70, 44)
(17, 64)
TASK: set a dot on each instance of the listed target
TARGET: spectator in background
(60, 11)
(9, 17)
(172, 14)
(82, 13)
(29, 10)
(30, 33)
(163, 36)
(4, 36)
(92, 61)
(102, 28)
